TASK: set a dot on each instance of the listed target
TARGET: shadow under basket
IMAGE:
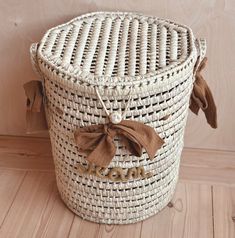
(139, 67)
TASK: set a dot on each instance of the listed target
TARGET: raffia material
(116, 52)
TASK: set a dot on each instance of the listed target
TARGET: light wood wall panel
(24, 22)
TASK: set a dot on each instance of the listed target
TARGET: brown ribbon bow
(97, 140)
(201, 97)
(35, 114)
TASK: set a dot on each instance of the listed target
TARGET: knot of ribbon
(35, 114)
(97, 141)
(201, 97)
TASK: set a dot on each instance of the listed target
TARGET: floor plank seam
(28, 170)
(71, 225)
(98, 230)
(141, 229)
(44, 210)
(212, 211)
(13, 200)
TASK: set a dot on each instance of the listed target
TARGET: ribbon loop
(97, 140)
(202, 97)
(35, 114)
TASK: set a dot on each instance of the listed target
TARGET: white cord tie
(115, 117)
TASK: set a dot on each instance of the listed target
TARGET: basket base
(153, 211)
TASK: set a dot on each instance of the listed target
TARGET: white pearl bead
(115, 117)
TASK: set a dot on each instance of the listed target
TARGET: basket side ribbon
(202, 98)
(35, 114)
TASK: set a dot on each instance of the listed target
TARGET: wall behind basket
(23, 22)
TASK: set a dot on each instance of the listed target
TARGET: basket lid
(113, 48)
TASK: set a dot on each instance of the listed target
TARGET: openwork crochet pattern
(122, 55)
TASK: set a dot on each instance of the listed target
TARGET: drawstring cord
(121, 115)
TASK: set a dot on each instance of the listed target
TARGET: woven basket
(145, 62)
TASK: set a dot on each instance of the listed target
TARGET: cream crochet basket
(141, 64)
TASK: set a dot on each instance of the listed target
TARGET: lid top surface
(116, 45)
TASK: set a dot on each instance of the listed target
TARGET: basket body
(156, 59)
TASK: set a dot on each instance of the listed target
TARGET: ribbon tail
(210, 111)
(193, 105)
(96, 144)
(202, 98)
(103, 153)
(35, 114)
(132, 145)
(87, 141)
(153, 146)
(140, 135)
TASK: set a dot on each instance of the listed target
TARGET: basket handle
(36, 118)
(201, 49)
(34, 61)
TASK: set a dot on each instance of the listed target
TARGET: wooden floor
(203, 205)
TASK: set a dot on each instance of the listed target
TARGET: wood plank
(56, 220)
(29, 205)
(208, 158)
(224, 211)
(83, 229)
(189, 216)
(209, 176)
(211, 166)
(123, 231)
(26, 153)
(10, 182)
